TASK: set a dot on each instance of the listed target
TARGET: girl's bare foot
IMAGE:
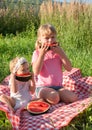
(11, 108)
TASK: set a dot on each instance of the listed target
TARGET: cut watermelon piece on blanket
(38, 107)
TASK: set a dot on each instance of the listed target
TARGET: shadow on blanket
(59, 115)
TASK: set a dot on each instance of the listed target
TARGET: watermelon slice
(38, 107)
(50, 45)
(23, 77)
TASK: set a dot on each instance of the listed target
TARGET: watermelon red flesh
(38, 104)
(53, 44)
(26, 74)
(38, 107)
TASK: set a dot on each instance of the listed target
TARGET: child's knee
(53, 97)
(75, 98)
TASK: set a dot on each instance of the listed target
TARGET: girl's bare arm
(66, 62)
(13, 87)
(32, 84)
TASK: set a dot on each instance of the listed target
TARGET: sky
(84, 1)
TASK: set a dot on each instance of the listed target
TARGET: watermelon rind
(23, 78)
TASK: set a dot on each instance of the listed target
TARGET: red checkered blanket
(59, 115)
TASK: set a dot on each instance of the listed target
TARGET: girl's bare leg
(67, 96)
(9, 101)
(50, 95)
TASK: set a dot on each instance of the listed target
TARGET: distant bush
(17, 17)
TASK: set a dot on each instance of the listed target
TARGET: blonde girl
(47, 62)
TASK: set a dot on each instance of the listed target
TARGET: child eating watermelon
(21, 90)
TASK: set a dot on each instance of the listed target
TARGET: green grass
(4, 122)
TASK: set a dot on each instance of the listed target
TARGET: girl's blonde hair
(45, 29)
(13, 63)
(16, 63)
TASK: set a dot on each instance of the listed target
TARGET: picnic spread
(59, 115)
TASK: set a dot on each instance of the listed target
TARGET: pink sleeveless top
(51, 72)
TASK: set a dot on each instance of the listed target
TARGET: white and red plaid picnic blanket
(59, 115)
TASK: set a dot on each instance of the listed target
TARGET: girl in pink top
(47, 61)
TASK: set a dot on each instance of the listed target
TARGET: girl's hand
(32, 76)
(43, 50)
(57, 49)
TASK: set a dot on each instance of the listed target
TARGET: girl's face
(48, 39)
(23, 69)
